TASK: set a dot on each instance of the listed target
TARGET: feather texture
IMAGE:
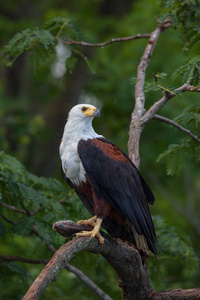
(115, 179)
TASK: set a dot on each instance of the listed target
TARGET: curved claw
(74, 235)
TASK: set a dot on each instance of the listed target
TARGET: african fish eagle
(106, 181)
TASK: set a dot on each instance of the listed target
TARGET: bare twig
(88, 282)
(22, 259)
(181, 128)
(123, 39)
(160, 103)
(8, 220)
(11, 207)
(24, 211)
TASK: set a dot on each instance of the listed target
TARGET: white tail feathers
(141, 241)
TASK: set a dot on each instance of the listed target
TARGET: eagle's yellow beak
(92, 111)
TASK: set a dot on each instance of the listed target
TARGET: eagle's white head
(79, 123)
(83, 113)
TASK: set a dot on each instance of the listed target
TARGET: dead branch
(66, 231)
(136, 125)
(133, 277)
(117, 40)
(140, 117)
(178, 294)
(181, 128)
(69, 267)
(68, 228)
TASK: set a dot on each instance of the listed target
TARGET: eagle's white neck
(76, 129)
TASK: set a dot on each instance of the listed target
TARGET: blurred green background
(35, 98)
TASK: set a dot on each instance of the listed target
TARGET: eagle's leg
(96, 230)
(89, 222)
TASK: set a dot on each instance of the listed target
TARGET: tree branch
(67, 229)
(181, 128)
(136, 126)
(11, 207)
(133, 277)
(99, 292)
(160, 103)
(22, 259)
(123, 39)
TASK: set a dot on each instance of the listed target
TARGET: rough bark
(137, 124)
(133, 276)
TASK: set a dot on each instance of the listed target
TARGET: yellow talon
(94, 222)
(89, 222)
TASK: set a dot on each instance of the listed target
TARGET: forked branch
(136, 125)
(140, 117)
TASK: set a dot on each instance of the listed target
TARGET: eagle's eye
(84, 108)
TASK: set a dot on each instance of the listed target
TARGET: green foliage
(36, 197)
(185, 15)
(175, 243)
(155, 87)
(29, 39)
(176, 154)
(173, 246)
(59, 25)
(40, 42)
(189, 71)
(189, 116)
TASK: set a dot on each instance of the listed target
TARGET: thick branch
(66, 231)
(69, 267)
(123, 39)
(136, 126)
(178, 294)
(133, 278)
(181, 128)
(141, 70)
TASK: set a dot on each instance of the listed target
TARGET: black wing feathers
(115, 177)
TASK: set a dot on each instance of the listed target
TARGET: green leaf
(174, 156)
(24, 228)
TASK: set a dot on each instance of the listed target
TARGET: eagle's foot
(90, 222)
(96, 230)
